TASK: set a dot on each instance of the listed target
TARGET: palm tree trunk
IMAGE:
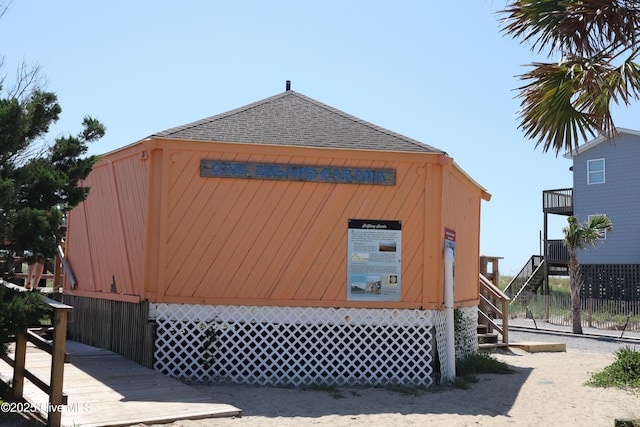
(575, 284)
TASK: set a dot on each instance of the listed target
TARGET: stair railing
(494, 306)
(520, 280)
(536, 272)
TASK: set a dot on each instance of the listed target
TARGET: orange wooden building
(286, 207)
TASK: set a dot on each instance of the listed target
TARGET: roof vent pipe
(288, 86)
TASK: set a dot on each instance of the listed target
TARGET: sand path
(546, 390)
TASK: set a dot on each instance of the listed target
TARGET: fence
(121, 327)
(596, 313)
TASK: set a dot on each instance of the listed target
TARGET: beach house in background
(606, 174)
(283, 242)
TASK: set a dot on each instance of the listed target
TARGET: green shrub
(19, 310)
(481, 363)
(624, 372)
(467, 368)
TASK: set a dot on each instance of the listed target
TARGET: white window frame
(591, 173)
(604, 235)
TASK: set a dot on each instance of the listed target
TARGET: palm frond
(565, 101)
(626, 81)
(583, 27)
(562, 103)
(549, 113)
(587, 27)
(533, 21)
(579, 236)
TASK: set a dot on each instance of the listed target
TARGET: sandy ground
(546, 390)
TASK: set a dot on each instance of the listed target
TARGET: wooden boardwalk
(106, 389)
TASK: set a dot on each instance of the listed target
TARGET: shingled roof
(293, 119)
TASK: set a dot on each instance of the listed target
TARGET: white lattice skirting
(295, 346)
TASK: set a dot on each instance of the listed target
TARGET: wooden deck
(106, 389)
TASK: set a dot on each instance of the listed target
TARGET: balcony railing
(557, 252)
(558, 201)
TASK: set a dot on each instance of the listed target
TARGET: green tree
(595, 48)
(39, 184)
(579, 236)
(19, 310)
(37, 188)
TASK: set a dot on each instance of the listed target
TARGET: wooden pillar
(494, 274)
(56, 400)
(17, 384)
(545, 255)
(505, 320)
(57, 273)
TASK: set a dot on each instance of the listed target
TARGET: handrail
(494, 295)
(523, 276)
(526, 283)
(495, 291)
(56, 348)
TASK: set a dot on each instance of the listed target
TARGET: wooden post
(505, 321)
(57, 273)
(60, 318)
(18, 370)
(547, 299)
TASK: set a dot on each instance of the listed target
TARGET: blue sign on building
(285, 172)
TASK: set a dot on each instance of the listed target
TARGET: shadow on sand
(492, 395)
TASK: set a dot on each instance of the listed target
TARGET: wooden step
(489, 347)
(487, 338)
(540, 347)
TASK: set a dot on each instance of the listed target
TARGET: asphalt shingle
(293, 119)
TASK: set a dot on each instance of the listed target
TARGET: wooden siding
(192, 239)
(236, 239)
(616, 198)
(105, 240)
(461, 202)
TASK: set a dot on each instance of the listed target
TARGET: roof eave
(597, 141)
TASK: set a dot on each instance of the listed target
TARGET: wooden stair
(488, 341)
(493, 316)
(530, 279)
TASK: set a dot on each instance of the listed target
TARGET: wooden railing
(520, 280)
(493, 309)
(557, 252)
(56, 348)
(55, 274)
(558, 201)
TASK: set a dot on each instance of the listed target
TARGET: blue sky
(438, 72)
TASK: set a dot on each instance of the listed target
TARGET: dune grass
(623, 373)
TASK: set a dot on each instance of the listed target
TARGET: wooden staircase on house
(493, 316)
(531, 278)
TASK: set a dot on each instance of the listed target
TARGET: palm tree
(595, 43)
(579, 236)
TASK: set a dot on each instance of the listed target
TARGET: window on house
(595, 171)
(604, 234)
